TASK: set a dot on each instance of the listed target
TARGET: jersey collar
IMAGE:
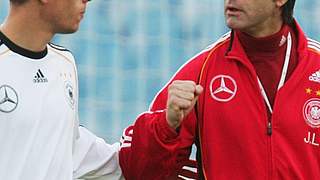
(22, 51)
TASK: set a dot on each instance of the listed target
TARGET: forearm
(93, 158)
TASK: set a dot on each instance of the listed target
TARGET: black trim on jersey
(22, 51)
(198, 152)
(231, 42)
(197, 139)
(57, 47)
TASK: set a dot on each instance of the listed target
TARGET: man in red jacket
(250, 102)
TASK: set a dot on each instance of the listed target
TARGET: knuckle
(189, 103)
(193, 83)
(174, 100)
(191, 95)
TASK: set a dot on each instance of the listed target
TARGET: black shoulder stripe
(57, 47)
(1, 42)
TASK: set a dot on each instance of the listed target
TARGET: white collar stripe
(283, 74)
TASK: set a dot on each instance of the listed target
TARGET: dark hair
(18, 1)
(287, 11)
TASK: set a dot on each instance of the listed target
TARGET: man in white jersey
(39, 133)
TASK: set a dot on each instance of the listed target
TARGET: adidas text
(44, 80)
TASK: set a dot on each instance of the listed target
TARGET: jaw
(258, 28)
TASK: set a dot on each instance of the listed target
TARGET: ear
(280, 3)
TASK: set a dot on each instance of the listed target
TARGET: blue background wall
(126, 50)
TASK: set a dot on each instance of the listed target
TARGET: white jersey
(39, 134)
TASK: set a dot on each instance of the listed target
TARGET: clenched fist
(182, 96)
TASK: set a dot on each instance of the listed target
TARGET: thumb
(199, 90)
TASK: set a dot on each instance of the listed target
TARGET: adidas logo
(282, 41)
(315, 77)
(39, 77)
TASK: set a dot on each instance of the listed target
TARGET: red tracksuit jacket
(230, 123)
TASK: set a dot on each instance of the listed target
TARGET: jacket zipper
(269, 148)
(269, 127)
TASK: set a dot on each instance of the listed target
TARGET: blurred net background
(126, 50)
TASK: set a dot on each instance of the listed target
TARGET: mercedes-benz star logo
(223, 88)
(8, 99)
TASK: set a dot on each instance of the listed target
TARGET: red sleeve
(152, 152)
(150, 148)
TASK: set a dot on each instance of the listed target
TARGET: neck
(266, 45)
(264, 29)
(23, 29)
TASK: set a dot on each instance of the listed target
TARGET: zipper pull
(269, 128)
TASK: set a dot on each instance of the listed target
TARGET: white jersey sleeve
(93, 158)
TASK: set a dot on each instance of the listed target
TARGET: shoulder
(220, 45)
(190, 70)
(313, 45)
(199, 59)
(57, 47)
(221, 41)
(61, 52)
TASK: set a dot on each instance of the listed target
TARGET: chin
(231, 23)
(231, 26)
(69, 30)
(234, 25)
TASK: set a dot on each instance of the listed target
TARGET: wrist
(173, 122)
(167, 131)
